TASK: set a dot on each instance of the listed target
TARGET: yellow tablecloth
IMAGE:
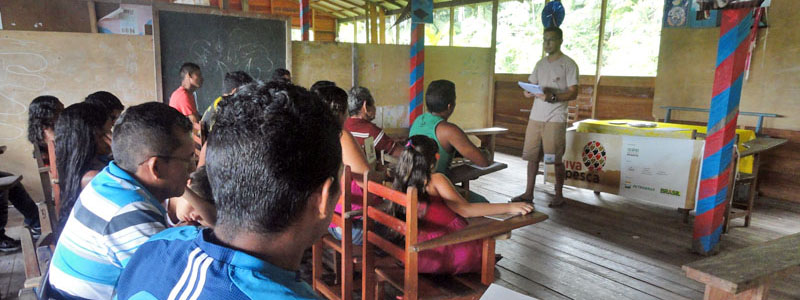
(668, 130)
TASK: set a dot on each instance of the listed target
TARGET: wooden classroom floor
(595, 247)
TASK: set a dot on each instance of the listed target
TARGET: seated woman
(442, 210)
(352, 156)
(196, 205)
(42, 115)
(83, 134)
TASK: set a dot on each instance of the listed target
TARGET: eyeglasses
(187, 161)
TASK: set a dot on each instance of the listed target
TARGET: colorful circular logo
(594, 156)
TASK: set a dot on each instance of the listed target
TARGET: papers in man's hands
(502, 217)
(534, 89)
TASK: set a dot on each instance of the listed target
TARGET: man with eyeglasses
(545, 137)
(121, 207)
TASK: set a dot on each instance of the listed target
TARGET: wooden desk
(487, 137)
(466, 172)
(747, 273)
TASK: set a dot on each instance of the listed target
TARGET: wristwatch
(553, 98)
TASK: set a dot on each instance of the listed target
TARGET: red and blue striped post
(717, 157)
(417, 68)
(305, 18)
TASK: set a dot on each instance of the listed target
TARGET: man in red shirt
(183, 100)
(361, 107)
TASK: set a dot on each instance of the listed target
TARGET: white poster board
(656, 172)
(662, 171)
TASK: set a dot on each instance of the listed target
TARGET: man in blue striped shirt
(121, 207)
(273, 161)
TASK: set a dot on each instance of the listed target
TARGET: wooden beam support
(452, 25)
(599, 60)
(157, 60)
(321, 8)
(245, 5)
(333, 7)
(92, 16)
(382, 25)
(436, 5)
(373, 23)
(223, 4)
(493, 52)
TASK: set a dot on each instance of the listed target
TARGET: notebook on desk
(502, 217)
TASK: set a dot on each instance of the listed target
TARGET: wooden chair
(343, 285)
(406, 278)
(747, 273)
(51, 151)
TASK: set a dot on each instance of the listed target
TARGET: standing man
(183, 99)
(545, 136)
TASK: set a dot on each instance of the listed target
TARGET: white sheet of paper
(496, 291)
(530, 87)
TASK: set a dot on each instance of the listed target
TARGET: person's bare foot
(558, 201)
(523, 198)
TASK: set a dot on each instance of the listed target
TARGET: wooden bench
(747, 273)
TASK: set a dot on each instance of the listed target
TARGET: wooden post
(720, 137)
(245, 5)
(599, 60)
(417, 66)
(373, 23)
(92, 16)
(397, 34)
(305, 18)
(493, 52)
(223, 4)
(452, 27)
(157, 60)
(382, 28)
(367, 22)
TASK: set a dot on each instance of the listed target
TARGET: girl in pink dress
(442, 209)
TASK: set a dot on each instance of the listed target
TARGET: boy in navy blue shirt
(273, 162)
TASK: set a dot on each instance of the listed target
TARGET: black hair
(319, 84)
(145, 130)
(76, 147)
(234, 80)
(200, 185)
(334, 97)
(106, 100)
(357, 97)
(188, 68)
(42, 114)
(278, 74)
(273, 145)
(555, 29)
(413, 170)
(439, 95)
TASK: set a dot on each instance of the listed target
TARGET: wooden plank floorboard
(517, 282)
(675, 283)
(634, 287)
(6, 273)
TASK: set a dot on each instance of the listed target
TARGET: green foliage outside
(631, 40)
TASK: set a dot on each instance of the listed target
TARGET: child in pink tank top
(442, 209)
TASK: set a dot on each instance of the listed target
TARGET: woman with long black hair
(83, 137)
(42, 115)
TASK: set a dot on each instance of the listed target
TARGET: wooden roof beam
(436, 5)
(336, 8)
(335, 13)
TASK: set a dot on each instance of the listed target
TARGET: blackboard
(218, 44)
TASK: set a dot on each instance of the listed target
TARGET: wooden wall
(323, 24)
(618, 98)
(686, 75)
(68, 66)
(45, 15)
(384, 70)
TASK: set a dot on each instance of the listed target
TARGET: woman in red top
(442, 209)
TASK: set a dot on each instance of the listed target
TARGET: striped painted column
(305, 18)
(417, 67)
(717, 157)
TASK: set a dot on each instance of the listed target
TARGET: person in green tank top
(440, 100)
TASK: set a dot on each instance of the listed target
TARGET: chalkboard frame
(208, 10)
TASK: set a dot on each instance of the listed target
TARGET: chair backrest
(407, 227)
(51, 152)
(345, 202)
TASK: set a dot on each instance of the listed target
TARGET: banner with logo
(662, 171)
